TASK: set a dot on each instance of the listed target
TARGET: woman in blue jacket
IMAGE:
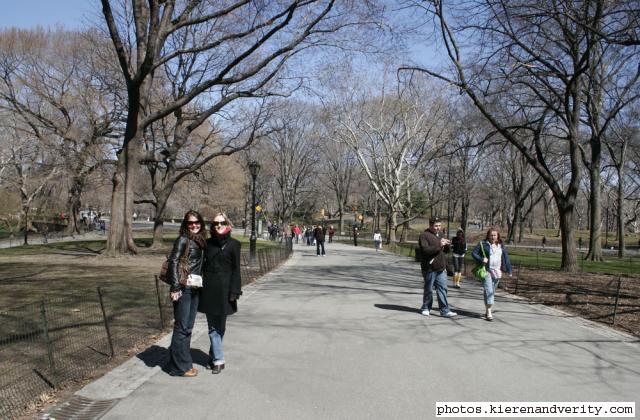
(492, 253)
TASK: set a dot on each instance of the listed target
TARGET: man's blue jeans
(184, 313)
(217, 325)
(440, 281)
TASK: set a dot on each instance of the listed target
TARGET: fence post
(582, 262)
(615, 306)
(159, 302)
(106, 322)
(47, 342)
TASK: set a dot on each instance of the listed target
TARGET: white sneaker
(323, 255)
(450, 314)
(425, 312)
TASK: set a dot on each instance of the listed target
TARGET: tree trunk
(595, 215)
(120, 238)
(391, 226)
(464, 213)
(567, 220)
(620, 213)
(73, 206)
(513, 223)
(162, 198)
(341, 210)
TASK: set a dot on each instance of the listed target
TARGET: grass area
(97, 246)
(551, 261)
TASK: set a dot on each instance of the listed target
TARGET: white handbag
(194, 280)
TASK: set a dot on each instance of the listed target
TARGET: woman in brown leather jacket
(190, 244)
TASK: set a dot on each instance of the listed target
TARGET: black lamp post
(254, 167)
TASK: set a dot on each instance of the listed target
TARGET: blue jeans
(440, 281)
(489, 285)
(319, 245)
(184, 313)
(217, 325)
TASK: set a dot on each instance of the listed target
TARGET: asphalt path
(340, 337)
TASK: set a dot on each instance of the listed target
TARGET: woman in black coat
(221, 285)
(190, 247)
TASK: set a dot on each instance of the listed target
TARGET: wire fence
(56, 340)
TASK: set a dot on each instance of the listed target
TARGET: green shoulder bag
(480, 272)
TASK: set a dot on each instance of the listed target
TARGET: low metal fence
(607, 299)
(48, 343)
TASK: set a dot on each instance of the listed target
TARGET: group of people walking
(213, 287)
(489, 252)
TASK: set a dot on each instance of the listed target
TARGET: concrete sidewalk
(340, 337)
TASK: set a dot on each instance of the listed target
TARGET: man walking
(318, 235)
(434, 266)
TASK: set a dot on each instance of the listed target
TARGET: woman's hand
(175, 295)
(485, 260)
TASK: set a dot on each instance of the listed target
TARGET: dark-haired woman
(492, 253)
(190, 246)
(459, 248)
(221, 285)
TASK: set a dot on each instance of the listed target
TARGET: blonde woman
(221, 285)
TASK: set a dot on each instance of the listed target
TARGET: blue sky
(47, 13)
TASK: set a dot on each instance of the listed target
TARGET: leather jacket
(195, 257)
(433, 254)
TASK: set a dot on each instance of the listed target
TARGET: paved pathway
(340, 337)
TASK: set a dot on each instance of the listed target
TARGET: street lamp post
(254, 167)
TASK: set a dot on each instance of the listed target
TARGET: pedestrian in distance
(492, 253)
(434, 268)
(221, 286)
(544, 242)
(308, 234)
(459, 248)
(45, 233)
(355, 235)
(189, 247)
(318, 235)
(296, 232)
(377, 240)
(331, 232)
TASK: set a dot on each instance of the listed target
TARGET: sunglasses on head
(223, 223)
(191, 223)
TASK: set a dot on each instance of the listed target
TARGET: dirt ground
(67, 282)
(611, 300)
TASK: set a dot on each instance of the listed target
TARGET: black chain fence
(57, 340)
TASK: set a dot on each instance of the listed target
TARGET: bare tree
(245, 46)
(391, 135)
(185, 144)
(294, 151)
(533, 62)
(28, 170)
(58, 85)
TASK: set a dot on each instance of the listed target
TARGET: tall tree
(531, 60)
(60, 85)
(248, 44)
(392, 134)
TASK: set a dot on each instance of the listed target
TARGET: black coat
(221, 277)
(195, 256)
